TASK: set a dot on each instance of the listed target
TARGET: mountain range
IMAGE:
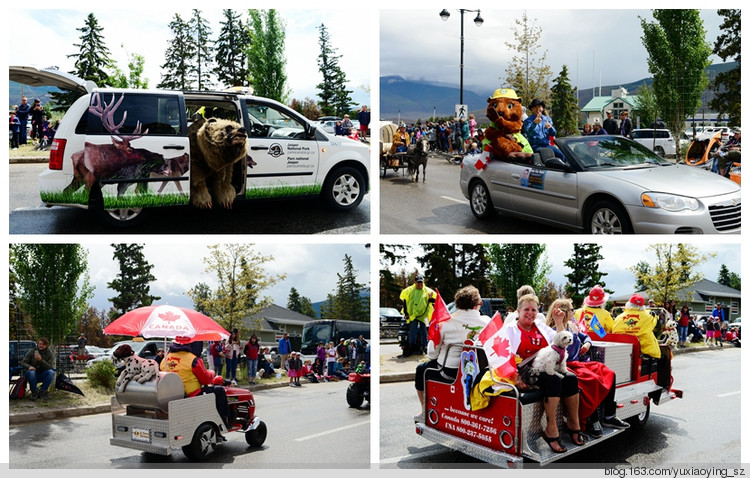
(408, 100)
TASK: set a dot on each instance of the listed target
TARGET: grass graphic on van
(145, 200)
(282, 191)
(77, 197)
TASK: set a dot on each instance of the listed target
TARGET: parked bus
(325, 331)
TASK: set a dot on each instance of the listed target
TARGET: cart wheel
(639, 421)
(257, 436)
(203, 444)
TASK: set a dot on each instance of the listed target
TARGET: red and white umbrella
(166, 321)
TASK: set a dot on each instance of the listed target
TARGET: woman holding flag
(448, 333)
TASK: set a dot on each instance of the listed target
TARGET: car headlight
(669, 202)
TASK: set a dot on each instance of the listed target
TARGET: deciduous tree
(672, 272)
(267, 55)
(52, 286)
(515, 265)
(678, 55)
(528, 72)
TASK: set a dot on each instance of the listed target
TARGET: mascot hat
(637, 300)
(505, 93)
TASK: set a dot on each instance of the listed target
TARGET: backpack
(18, 390)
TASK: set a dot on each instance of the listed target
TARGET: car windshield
(609, 152)
(389, 311)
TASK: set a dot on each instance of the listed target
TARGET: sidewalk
(392, 369)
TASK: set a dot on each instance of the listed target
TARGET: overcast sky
(599, 47)
(45, 37)
(178, 266)
(621, 253)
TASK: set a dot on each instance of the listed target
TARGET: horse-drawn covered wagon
(409, 157)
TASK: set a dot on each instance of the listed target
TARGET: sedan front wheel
(606, 217)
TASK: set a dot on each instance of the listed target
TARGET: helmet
(596, 297)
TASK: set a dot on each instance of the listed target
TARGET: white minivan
(659, 141)
(132, 152)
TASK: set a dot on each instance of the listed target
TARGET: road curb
(28, 160)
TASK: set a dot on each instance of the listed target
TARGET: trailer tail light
(56, 154)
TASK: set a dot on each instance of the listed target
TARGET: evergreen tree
(678, 55)
(350, 300)
(180, 55)
(201, 294)
(93, 56)
(585, 273)
(132, 282)
(52, 287)
(727, 84)
(729, 279)
(266, 55)
(448, 267)
(641, 269)
(327, 308)
(334, 96)
(91, 61)
(299, 303)
(232, 68)
(515, 265)
(203, 60)
(564, 107)
(527, 70)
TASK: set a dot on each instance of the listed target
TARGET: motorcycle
(359, 389)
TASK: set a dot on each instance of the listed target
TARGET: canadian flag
(496, 345)
(483, 160)
(439, 315)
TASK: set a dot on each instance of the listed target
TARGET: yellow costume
(640, 323)
(588, 312)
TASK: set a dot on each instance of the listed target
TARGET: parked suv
(660, 141)
(120, 151)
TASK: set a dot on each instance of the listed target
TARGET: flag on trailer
(581, 323)
(496, 345)
(439, 315)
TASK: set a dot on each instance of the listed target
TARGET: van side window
(266, 121)
(123, 113)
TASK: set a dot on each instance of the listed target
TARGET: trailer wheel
(354, 397)
(257, 436)
(203, 444)
(639, 421)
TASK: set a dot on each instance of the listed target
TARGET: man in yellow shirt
(195, 377)
(636, 320)
(418, 304)
(594, 305)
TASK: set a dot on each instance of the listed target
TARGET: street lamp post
(445, 14)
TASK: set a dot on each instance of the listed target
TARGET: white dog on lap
(553, 359)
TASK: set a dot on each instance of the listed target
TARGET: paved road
(437, 206)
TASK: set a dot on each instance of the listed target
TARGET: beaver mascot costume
(503, 137)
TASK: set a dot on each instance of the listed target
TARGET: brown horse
(416, 155)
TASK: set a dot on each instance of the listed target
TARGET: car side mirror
(558, 164)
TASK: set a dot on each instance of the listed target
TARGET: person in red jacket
(195, 378)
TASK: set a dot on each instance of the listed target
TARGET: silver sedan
(606, 185)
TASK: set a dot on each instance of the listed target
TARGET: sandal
(576, 436)
(550, 441)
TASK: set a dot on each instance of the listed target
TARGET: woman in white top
(465, 323)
